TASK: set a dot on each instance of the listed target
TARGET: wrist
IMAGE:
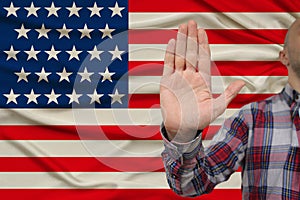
(180, 135)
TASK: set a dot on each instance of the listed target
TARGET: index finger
(169, 61)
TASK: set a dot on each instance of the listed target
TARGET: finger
(221, 103)
(169, 58)
(204, 56)
(180, 48)
(192, 46)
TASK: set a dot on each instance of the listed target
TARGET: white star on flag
(52, 53)
(95, 10)
(74, 53)
(116, 53)
(107, 31)
(106, 75)
(52, 97)
(52, 10)
(12, 10)
(11, 97)
(74, 10)
(64, 75)
(22, 32)
(64, 32)
(116, 97)
(32, 10)
(11, 53)
(85, 32)
(43, 75)
(43, 32)
(22, 75)
(95, 53)
(74, 97)
(116, 10)
(85, 75)
(32, 97)
(32, 53)
(95, 97)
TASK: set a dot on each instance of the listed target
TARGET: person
(262, 138)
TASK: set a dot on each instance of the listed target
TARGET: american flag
(79, 90)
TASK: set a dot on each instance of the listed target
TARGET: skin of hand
(186, 99)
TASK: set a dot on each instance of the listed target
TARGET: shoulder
(258, 110)
(271, 104)
(263, 111)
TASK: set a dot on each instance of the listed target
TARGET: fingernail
(182, 27)
(192, 22)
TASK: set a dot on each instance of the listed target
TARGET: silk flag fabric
(79, 84)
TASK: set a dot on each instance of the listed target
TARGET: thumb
(232, 90)
(221, 103)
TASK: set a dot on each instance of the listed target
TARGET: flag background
(51, 151)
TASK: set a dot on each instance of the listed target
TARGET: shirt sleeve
(193, 170)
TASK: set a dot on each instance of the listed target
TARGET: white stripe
(87, 117)
(80, 117)
(254, 84)
(213, 20)
(219, 52)
(95, 180)
(82, 148)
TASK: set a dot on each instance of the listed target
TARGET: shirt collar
(290, 95)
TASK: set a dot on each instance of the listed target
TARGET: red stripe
(70, 133)
(148, 68)
(220, 68)
(251, 36)
(243, 99)
(113, 194)
(80, 164)
(209, 132)
(152, 100)
(79, 132)
(213, 6)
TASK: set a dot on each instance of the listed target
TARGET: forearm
(195, 173)
(193, 170)
(181, 176)
(180, 162)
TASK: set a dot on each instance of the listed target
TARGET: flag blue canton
(61, 54)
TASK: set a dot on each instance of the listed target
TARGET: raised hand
(185, 90)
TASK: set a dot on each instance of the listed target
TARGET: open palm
(185, 91)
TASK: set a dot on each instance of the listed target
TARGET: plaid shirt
(263, 139)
